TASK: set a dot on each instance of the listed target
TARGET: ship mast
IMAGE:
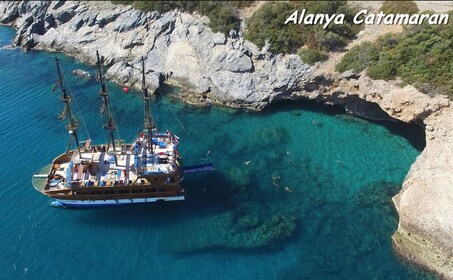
(110, 123)
(149, 123)
(73, 124)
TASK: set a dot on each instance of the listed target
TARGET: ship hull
(89, 203)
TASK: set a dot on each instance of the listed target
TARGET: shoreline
(423, 202)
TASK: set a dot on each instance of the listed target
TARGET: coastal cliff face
(425, 231)
(176, 46)
(231, 71)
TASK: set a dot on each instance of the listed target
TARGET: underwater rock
(81, 73)
(239, 175)
(272, 137)
(227, 231)
(355, 222)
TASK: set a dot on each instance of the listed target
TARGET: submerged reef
(356, 222)
(228, 231)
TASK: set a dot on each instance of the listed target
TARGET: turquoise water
(314, 201)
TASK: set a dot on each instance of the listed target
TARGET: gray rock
(266, 47)
(175, 45)
(235, 61)
(133, 40)
(127, 75)
(219, 39)
(81, 73)
(77, 23)
(233, 34)
(128, 20)
(63, 16)
(58, 4)
(30, 42)
(164, 26)
(10, 13)
(83, 16)
(49, 21)
(250, 48)
(349, 74)
(105, 17)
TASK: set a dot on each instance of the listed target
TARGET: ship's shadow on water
(205, 193)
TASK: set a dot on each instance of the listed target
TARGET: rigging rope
(176, 118)
(114, 117)
(77, 107)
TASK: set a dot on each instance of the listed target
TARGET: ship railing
(39, 180)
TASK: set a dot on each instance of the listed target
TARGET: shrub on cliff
(267, 24)
(422, 56)
(311, 56)
(359, 57)
(222, 18)
(399, 7)
(165, 6)
(382, 70)
(223, 15)
(241, 4)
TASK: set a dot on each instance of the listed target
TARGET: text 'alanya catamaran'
(147, 170)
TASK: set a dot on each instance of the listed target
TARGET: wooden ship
(147, 170)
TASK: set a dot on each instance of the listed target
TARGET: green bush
(223, 19)
(399, 7)
(241, 4)
(422, 56)
(311, 56)
(330, 41)
(223, 15)
(388, 41)
(359, 57)
(268, 24)
(164, 6)
(382, 70)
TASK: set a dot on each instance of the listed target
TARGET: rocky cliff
(181, 49)
(176, 46)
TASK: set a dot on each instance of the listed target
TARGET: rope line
(77, 107)
(176, 118)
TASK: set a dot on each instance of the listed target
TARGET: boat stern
(40, 179)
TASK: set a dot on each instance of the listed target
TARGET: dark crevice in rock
(353, 104)
(58, 5)
(318, 83)
(10, 16)
(37, 27)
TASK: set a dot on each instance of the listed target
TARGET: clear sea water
(314, 202)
